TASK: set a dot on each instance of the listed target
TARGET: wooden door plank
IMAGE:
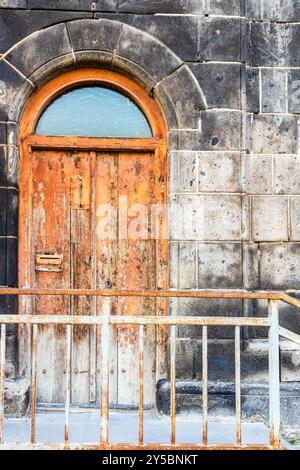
(81, 272)
(137, 180)
(50, 234)
(93, 331)
(106, 270)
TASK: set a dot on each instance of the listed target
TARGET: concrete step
(221, 403)
(221, 360)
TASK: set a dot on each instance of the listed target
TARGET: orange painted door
(62, 258)
(129, 257)
(95, 219)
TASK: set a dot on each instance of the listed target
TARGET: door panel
(61, 225)
(81, 267)
(50, 234)
(91, 215)
(131, 182)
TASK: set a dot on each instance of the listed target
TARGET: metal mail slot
(49, 263)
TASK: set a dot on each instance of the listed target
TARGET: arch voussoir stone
(10, 83)
(146, 51)
(40, 48)
(185, 96)
(133, 69)
(103, 35)
(18, 102)
(51, 69)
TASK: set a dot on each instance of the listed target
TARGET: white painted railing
(106, 322)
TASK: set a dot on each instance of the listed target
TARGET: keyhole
(108, 284)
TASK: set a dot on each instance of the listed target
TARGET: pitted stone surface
(220, 39)
(90, 5)
(279, 266)
(273, 133)
(275, 44)
(286, 174)
(220, 265)
(164, 6)
(269, 218)
(219, 172)
(13, 3)
(10, 81)
(273, 10)
(295, 218)
(225, 7)
(221, 84)
(16, 397)
(252, 78)
(274, 91)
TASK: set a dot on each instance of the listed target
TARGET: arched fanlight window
(93, 111)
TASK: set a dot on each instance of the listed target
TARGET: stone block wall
(227, 74)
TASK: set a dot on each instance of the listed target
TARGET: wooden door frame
(29, 141)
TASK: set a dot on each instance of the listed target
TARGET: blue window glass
(93, 111)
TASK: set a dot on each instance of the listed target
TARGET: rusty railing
(106, 321)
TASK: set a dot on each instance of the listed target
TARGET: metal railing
(105, 321)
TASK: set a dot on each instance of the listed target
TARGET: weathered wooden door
(93, 226)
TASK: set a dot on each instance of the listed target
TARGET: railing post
(204, 386)
(238, 403)
(105, 331)
(68, 382)
(173, 384)
(2, 377)
(274, 374)
(33, 382)
(141, 383)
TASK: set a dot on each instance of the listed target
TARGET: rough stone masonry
(227, 73)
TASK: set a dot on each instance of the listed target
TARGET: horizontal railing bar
(290, 300)
(230, 294)
(75, 446)
(201, 294)
(289, 335)
(133, 320)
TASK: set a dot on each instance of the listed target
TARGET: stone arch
(110, 44)
(44, 54)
